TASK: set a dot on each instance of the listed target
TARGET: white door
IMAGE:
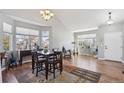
(113, 46)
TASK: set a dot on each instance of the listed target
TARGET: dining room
(31, 52)
(48, 46)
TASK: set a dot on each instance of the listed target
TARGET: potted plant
(45, 49)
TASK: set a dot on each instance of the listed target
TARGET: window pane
(45, 39)
(7, 41)
(34, 40)
(27, 42)
(25, 31)
(22, 42)
(7, 28)
(45, 42)
(7, 36)
(45, 33)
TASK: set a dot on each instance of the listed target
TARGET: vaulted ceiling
(73, 19)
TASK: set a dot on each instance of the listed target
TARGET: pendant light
(110, 21)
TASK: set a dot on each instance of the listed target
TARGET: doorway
(87, 44)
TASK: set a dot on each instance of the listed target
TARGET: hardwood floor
(111, 71)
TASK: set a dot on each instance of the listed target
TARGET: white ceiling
(73, 19)
(87, 18)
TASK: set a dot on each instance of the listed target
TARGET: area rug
(87, 74)
(77, 75)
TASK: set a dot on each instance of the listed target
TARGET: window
(22, 42)
(7, 37)
(26, 31)
(26, 38)
(7, 28)
(34, 40)
(87, 40)
(45, 39)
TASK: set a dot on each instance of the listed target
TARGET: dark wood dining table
(46, 55)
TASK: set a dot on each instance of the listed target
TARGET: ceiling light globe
(47, 11)
(110, 22)
(52, 14)
(41, 12)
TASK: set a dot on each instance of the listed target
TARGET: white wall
(0, 48)
(123, 44)
(1, 35)
(61, 35)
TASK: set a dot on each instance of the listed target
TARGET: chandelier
(46, 14)
(110, 21)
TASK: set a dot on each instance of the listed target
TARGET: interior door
(113, 46)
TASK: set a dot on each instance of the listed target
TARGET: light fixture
(46, 14)
(110, 21)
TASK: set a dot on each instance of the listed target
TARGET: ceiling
(73, 19)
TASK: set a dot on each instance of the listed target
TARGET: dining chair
(66, 53)
(55, 63)
(38, 62)
(59, 60)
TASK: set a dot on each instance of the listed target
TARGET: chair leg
(32, 67)
(37, 72)
(50, 67)
(37, 69)
(41, 66)
(33, 71)
(54, 71)
(60, 68)
(16, 64)
(46, 66)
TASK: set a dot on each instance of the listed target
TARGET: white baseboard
(101, 58)
(109, 59)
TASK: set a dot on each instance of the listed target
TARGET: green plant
(45, 50)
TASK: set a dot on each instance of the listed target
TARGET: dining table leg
(46, 71)
(46, 68)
